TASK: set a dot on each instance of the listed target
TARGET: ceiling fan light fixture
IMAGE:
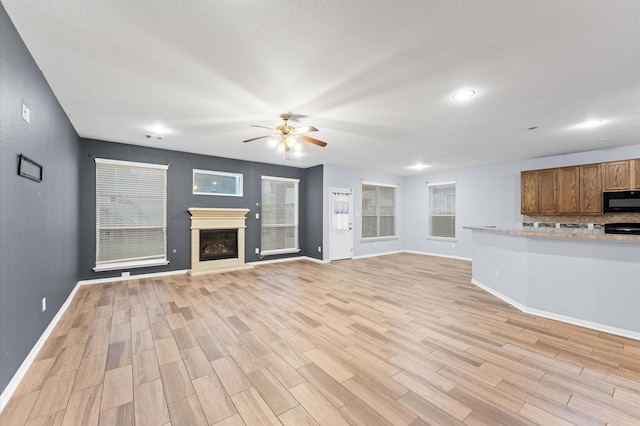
(464, 95)
(290, 140)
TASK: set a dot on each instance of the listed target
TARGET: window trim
(431, 215)
(377, 215)
(131, 264)
(289, 250)
(239, 176)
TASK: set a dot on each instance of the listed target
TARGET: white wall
(487, 195)
(344, 178)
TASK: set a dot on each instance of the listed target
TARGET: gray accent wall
(315, 210)
(38, 220)
(180, 197)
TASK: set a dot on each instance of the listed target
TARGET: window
(206, 182)
(279, 215)
(442, 210)
(378, 210)
(131, 219)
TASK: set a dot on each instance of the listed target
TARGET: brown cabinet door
(548, 191)
(529, 192)
(636, 164)
(617, 175)
(568, 190)
(591, 188)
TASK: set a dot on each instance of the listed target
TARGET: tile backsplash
(580, 221)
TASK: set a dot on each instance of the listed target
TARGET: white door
(341, 224)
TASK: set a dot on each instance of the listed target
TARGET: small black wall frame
(29, 168)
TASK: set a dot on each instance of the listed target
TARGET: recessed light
(603, 140)
(419, 166)
(158, 129)
(591, 123)
(464, 95)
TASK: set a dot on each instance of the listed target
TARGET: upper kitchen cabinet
(590, 188)
(580, 189)
(635, 165)
(539, 191)
(529, 192)
(548, 191)
(569, 189)
(617, 175)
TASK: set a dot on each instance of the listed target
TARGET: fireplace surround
(217, 240)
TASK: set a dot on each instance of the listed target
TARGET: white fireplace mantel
(212, 218)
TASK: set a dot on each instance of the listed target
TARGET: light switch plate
(26, 113)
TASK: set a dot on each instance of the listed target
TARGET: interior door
(341, 224)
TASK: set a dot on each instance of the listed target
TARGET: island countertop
(591, 234)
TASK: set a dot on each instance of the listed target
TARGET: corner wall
(38, 220)
(485, 196)
(345, 178)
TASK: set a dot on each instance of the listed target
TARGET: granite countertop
(592, 234)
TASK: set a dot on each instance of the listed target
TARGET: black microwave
(621, 202)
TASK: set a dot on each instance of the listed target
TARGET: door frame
(331, 219)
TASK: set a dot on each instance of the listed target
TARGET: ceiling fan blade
(263, 127)
(259, 137)
(300, 130)
(311, 140)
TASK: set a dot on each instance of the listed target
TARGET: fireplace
(218, 244)
(217, 240)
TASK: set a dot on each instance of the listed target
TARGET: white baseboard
(557, 317)
(8, 391)
(131, 277)
(286, 259)
(468, 259)
(386, 253)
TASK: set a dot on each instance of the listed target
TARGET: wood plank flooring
(393, 340)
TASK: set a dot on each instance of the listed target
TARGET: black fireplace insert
(218, 244)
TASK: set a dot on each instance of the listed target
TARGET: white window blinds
(279, 233)
(378, 211)
(131, 219)
(442, 215)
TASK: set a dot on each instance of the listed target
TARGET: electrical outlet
(44, 304)
(126, 274)
(319, 249)
(26, 113)
(257, 215)
(453, 245)
(496, 273)
(257, 250)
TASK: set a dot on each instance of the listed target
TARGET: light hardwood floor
(401, 339)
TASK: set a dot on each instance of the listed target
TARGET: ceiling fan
(288, 135)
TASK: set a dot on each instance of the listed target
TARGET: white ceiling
(375, 76)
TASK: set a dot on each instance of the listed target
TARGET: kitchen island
(583, 277)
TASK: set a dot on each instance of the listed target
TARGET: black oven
(621, 202)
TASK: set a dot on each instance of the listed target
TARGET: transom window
(207, 182)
